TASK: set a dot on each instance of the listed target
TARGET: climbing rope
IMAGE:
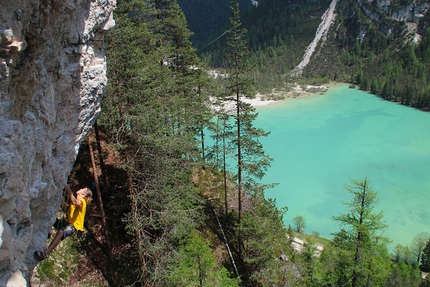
(214, 40)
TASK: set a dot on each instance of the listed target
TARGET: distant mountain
(382, 46)
(206, 18)
(374, 27)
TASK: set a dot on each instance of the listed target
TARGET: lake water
(320, 142)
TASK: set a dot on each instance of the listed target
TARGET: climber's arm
(73, 199)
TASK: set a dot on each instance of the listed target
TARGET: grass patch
(61, 263)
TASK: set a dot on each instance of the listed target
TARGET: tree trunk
(99, 149)
(239, 170)
(143, 268)
(225, 174)
(359, 236)
(99, 197)
(202, 135)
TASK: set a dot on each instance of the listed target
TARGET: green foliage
(251, 160)
(263, 237)
(299, 222)
(277, 273)
(425, 258)
(383, 63)
(361, 238)
(273, 51)
(197, 266)
(418, 244)
(356, 251)
(208, 18)
(425, 282)
(263, 231)
(236, 130)
(155, 109)
(403, 274)
(380, 56)
(61, 263)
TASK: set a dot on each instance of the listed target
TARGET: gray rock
(52, 78)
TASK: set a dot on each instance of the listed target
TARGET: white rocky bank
(52, 78)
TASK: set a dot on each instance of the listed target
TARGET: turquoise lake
(320, 142)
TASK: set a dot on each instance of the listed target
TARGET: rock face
(379, 10)
(411, 12)
(52, 77)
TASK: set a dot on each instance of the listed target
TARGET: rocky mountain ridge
(379, 10)
(379, 22)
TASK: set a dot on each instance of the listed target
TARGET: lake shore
(294, 91)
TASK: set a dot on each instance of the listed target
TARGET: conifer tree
(198, 266)
(154, 111)
(251, 162)
(361, 237)
(425, 258)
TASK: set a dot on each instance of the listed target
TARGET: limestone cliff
(52, 77)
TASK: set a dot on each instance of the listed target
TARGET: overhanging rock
(52, 78)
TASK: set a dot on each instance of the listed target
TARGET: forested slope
(209, 18)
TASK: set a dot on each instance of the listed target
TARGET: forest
(178, 163)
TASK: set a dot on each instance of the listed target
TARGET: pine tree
(251, 162)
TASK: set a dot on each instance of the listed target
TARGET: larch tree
(361, 236)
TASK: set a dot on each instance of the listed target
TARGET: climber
(74, 219)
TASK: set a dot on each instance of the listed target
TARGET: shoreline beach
(296, 91)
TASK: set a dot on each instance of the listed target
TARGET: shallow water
(320, 142)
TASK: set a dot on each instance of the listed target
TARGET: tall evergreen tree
(251, 162)
(361, 237)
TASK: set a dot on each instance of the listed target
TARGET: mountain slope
(209, 17)
(377, 26)
(380, 45)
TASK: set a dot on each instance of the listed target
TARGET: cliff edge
(52, 78)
